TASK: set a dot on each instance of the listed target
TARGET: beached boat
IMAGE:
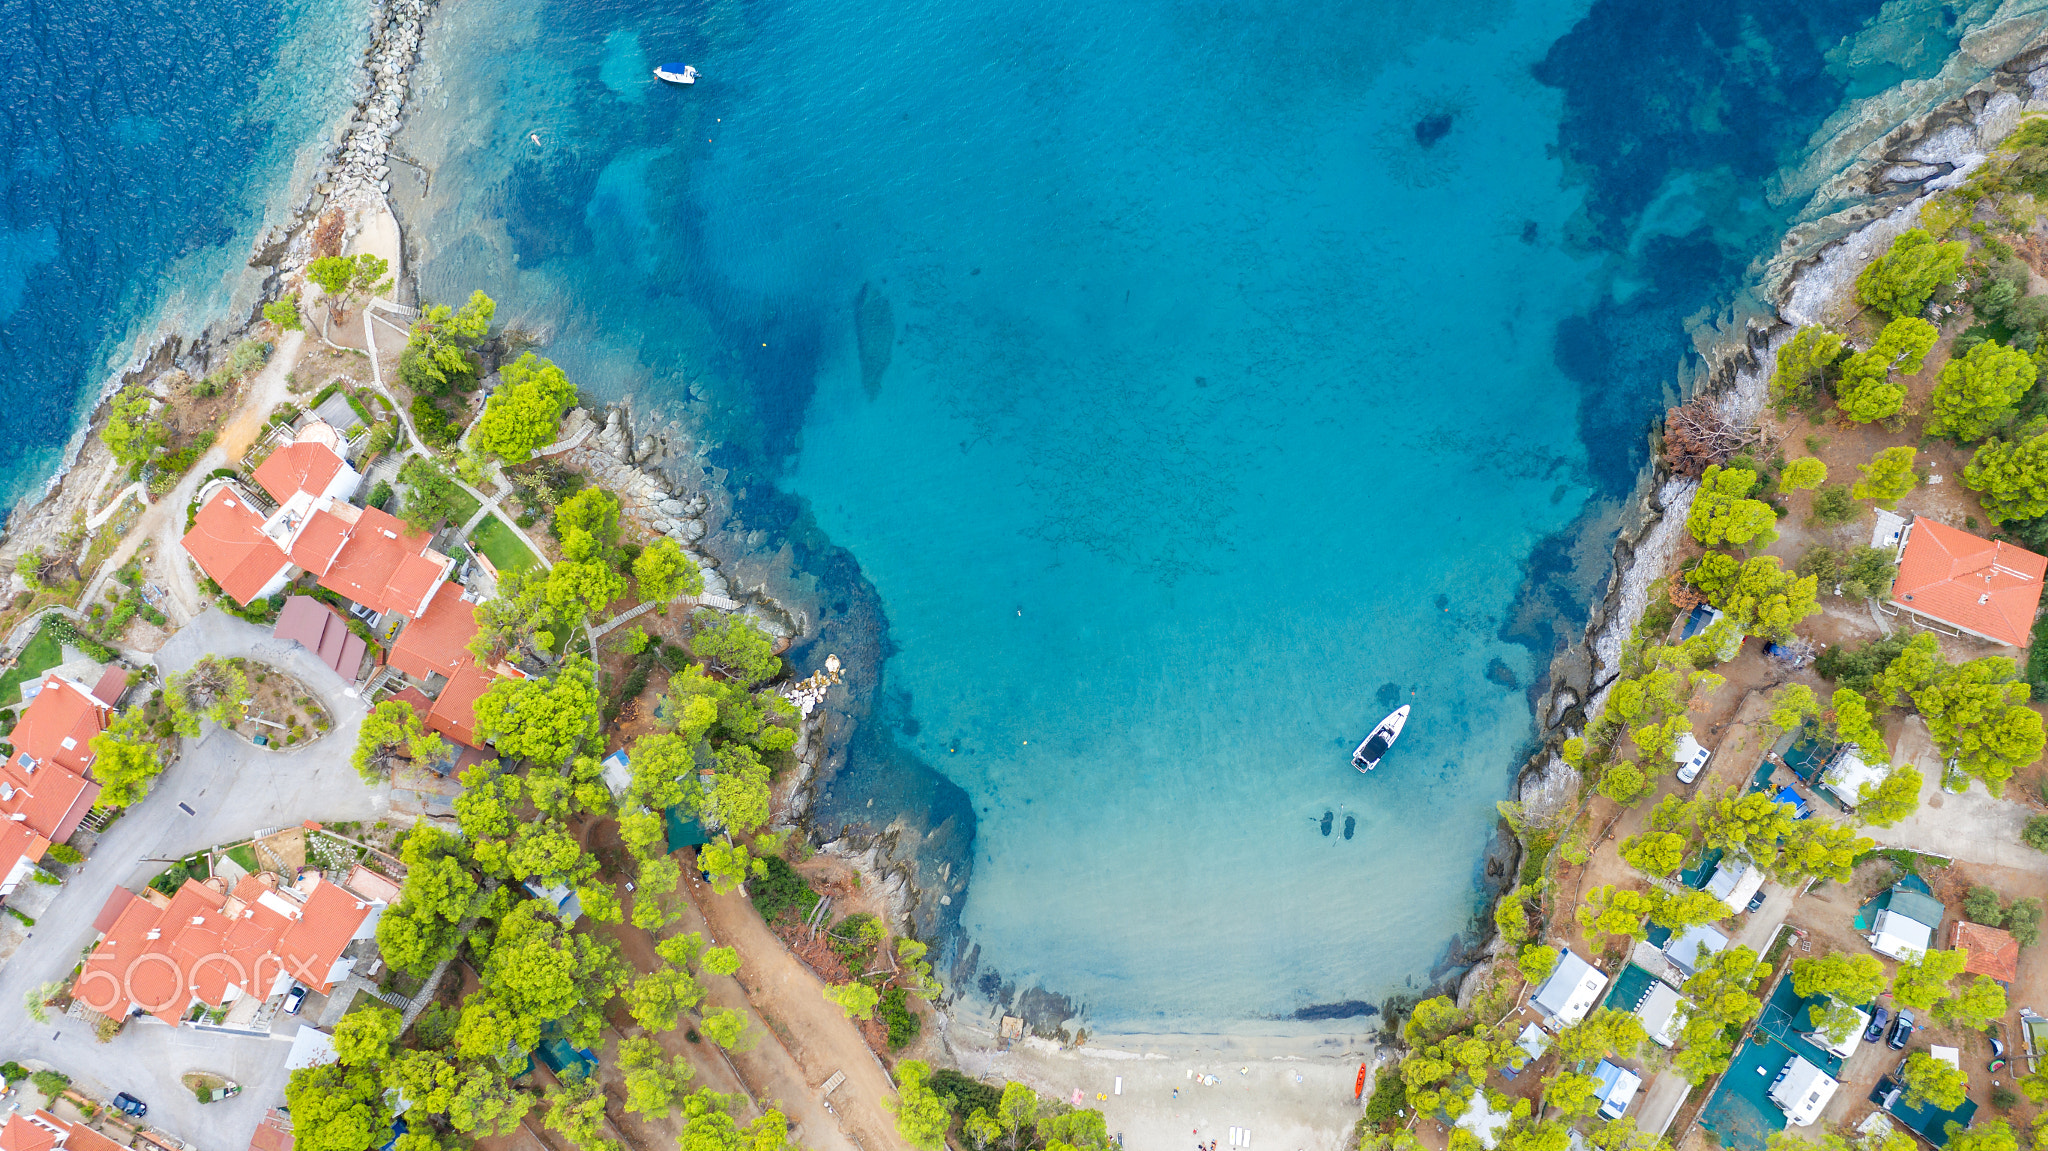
(677, 73)
(1375, 746)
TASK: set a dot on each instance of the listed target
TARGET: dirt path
(164, 521)
(810, 1039)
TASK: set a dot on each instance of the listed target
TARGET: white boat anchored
(1375, 746)
(677, 73)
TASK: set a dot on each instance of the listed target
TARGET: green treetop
(1791, 706)
(1655, 852)
(1615, 911)
(344, 278)
(1922, 981)
(1866, 391)
(438, 350)
(2012, 477)
(1930, 1081)
(525, 410)
(1887, 476)
(1722, 511)
(125, 760)
(735, 647)
(1854, 725)
(130, 432)
(1978, 714)
(662, 572)
(1980, 392)
(431, 494)
(1803, 362)
(1977, 1004)
(1759, 596)
(1900, 281)
(1802, 473)
(1891, 799)
(393, 728)
(544, 720)
(336, 1107)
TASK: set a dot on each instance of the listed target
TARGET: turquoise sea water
(1159, 394)
(141, 144)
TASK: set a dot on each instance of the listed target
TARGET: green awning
(684, 831)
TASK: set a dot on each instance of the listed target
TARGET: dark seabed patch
(874, 332)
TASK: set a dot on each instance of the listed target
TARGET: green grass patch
(43, 652)
(1911, 862)
(500, 546)
(245, 858)
(461, 506)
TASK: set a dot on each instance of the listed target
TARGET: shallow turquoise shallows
(1191, 384)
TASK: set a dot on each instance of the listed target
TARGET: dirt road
(809, 1038)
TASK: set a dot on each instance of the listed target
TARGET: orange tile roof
(301, 467)
(454, 713)
(83, 1138)
(273, 1134)
(437, 643)
(39, 1132)
(366, 565)
(18, 843)
(206, 942)
(321, 540)
(59, 723)
(1985, 588)
(1992, 952)
(415, 579)
(228, 543)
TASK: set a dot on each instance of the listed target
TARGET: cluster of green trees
(345, 280)
(1976, 711)
(2021, 918)
(930, 1103)
(525, 410)
(536, 609)
(440, 363)
(1646, 707)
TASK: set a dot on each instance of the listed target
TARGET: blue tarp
(1800, 807)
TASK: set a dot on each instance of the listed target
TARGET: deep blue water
(140, 143)
(1158, 394)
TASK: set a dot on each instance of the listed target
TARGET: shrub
(2036, 833)
(782, 889)
(50, 1083)
(903, 1022)
(380, 495)
(65, 853)
(284, 313)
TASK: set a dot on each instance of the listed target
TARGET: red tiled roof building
(1987, 589)
(44, 786)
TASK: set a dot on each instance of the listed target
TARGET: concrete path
(233, 789)
(1973, 826)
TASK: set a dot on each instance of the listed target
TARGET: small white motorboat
(1375, 746)
(677, 73)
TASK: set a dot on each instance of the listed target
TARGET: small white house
(1907, 924)
(1802, 1091)
(1570, 992)
(1847, 1045)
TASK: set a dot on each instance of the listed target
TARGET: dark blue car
(1878, 1018)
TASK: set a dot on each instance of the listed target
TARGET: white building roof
(1801, 1091)
(1663, 1012)
(1953, 1056)
(1847, 1046)
(1897, 936)
(1685, 950)
(1685, 749)
(311, 1047)
(1571, 991)
(1847, 775)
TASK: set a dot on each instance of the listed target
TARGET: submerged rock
(874, 332)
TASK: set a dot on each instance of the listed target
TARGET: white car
(1691, 758)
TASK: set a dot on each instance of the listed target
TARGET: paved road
(1972, 826)
(233, 789)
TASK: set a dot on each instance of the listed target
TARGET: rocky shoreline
(1813, 270)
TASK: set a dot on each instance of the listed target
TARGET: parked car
(294, 999)
(1757, 900)
(129, 1105)
(1878, 1018)
(1902, 1030)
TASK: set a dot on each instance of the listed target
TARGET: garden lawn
(464, 508)
(42, 653)
(501, 547)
